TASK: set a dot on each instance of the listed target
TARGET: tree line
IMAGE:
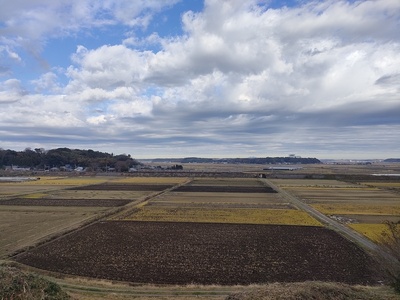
(249, 160)
(40, 158)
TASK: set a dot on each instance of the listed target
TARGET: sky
(213, 78)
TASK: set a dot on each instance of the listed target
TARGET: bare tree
(390, 240)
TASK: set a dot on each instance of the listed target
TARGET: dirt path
(332, 224)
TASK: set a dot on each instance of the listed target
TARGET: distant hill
(65, 158)
(392, 160)
(250, 160)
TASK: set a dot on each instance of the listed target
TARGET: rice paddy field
(238, 200)
(45, 184)
(23, 226)
(158, 228)
(363, 206)
(35, 210)
(232, 215)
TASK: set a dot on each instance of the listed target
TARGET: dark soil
(225, 189)
(66, 202)
(222, 205)
(204, 253)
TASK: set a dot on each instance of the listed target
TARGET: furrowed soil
(65, 202)
(225, 189)
(201, 253)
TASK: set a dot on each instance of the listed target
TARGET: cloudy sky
(213, 78)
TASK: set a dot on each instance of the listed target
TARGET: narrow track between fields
(330, 223)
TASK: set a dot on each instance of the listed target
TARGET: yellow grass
(74, 194)
(372, 231)
(362, 209)
(23, 226)
(151, 180)
(35, 196)
(210, 197)
(241, 215)
(312, 183)
(66, 181)
(384, 184)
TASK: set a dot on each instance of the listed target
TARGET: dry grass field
(225, 182)
(364, 206)
(21, 226)
(359, 209)
(236, 215)
(10, 189)
(226, 200)
(34, 210)
(88, 194)
(373, 231)
(210, 203)
(230, 203)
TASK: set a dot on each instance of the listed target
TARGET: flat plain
(33, 211)
(363, 206)
(198, 230)
(204, 253)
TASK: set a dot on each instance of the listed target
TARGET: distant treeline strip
(40, 158)
(250, 160)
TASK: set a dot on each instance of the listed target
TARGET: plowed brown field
(184, 253)
(66, 202)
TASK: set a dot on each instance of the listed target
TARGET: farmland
(226, 201)
(22, 226)
(234, 215)
(199, 230)
(204, 253)
(363, 206)
(33, 211)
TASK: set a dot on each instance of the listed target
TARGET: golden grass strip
(374, 232)
(35, 196)
(194, 197)
(384, 184)
(311, 183)
(66, 181)
(240, 215)
(354, 209)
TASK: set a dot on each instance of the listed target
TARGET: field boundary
(127, 209)
(345, 231)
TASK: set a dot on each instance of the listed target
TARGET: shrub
(15, 284)
(391, 241)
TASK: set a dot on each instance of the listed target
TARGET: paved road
(330, 223)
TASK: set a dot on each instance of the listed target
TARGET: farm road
(330, 223)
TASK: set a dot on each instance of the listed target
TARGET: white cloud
(11, 91)
(242, 76)
(29, 25)
(48, 82)
(107, 67)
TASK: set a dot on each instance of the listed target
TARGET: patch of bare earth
(204, 253)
